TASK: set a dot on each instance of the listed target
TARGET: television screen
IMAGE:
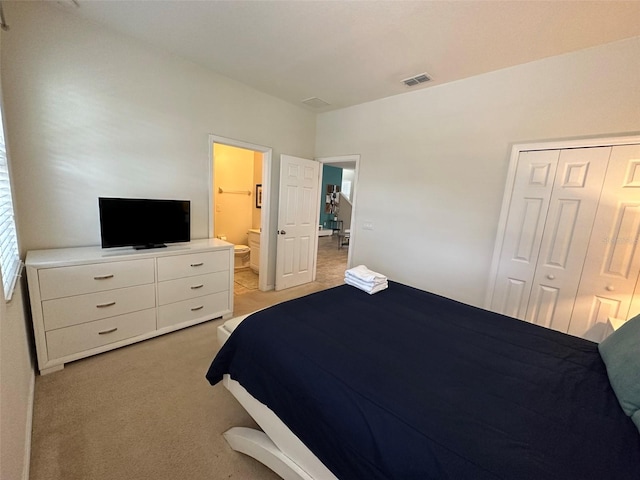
(143, 223)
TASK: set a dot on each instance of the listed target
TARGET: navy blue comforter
(405, 384)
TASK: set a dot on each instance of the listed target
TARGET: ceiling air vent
(422, 78)
(315, 102)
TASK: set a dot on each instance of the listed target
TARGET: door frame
(265, 211)
(337, 160)
(516, 149)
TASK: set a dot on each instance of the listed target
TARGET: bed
(406, 384)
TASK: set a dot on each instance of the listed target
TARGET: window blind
(9, 256)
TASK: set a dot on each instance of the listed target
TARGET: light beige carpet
(140, 412)
(146, 411)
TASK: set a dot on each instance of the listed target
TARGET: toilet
(241, 254)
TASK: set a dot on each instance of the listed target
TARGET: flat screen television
(143, 223)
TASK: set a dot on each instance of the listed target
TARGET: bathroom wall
(233, 212)
(330, 176)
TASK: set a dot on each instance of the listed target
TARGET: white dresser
(89, 300)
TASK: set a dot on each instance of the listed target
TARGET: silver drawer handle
(111, 330)
(103, 277)
(195, 287)
(197, 264)
(103, 305)
(195, 309)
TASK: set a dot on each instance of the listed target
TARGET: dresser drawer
(189, 265)
(208, 306)
(63, 312)
(76, 280)
(78, 338)
(191, 287)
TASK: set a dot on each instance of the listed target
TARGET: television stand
(85, 302)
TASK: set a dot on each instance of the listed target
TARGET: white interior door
(533, 184)
(297, 217)
(613, 259)
(572, 210)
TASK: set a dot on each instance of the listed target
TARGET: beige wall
(434, 162)
(16, 379)
(94, 113)
(16, 387)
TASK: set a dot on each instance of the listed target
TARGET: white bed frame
(275, 446)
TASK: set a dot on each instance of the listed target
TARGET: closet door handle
(609, 288)
(103, 305)
(103, 277)
(551, 276)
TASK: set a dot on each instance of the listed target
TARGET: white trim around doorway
(341, 161)
(265, 213)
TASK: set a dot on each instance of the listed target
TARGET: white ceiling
(350, 52)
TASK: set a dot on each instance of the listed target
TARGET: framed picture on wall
(259, 195)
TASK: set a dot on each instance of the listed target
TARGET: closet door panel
(531, 193)
(545, 304)
(612, 262)
(572, 209)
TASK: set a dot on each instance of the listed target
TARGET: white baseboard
(26, 465)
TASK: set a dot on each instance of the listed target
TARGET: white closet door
(531, 193)
(572, 209)
(613, 259)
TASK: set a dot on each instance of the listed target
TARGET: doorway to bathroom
(239, 205)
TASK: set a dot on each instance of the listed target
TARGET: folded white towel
(365, 286)
(365, 274)
(365, 283)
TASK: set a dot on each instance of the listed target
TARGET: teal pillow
(620, 352)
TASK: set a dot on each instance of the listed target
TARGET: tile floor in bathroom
(332, 262)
